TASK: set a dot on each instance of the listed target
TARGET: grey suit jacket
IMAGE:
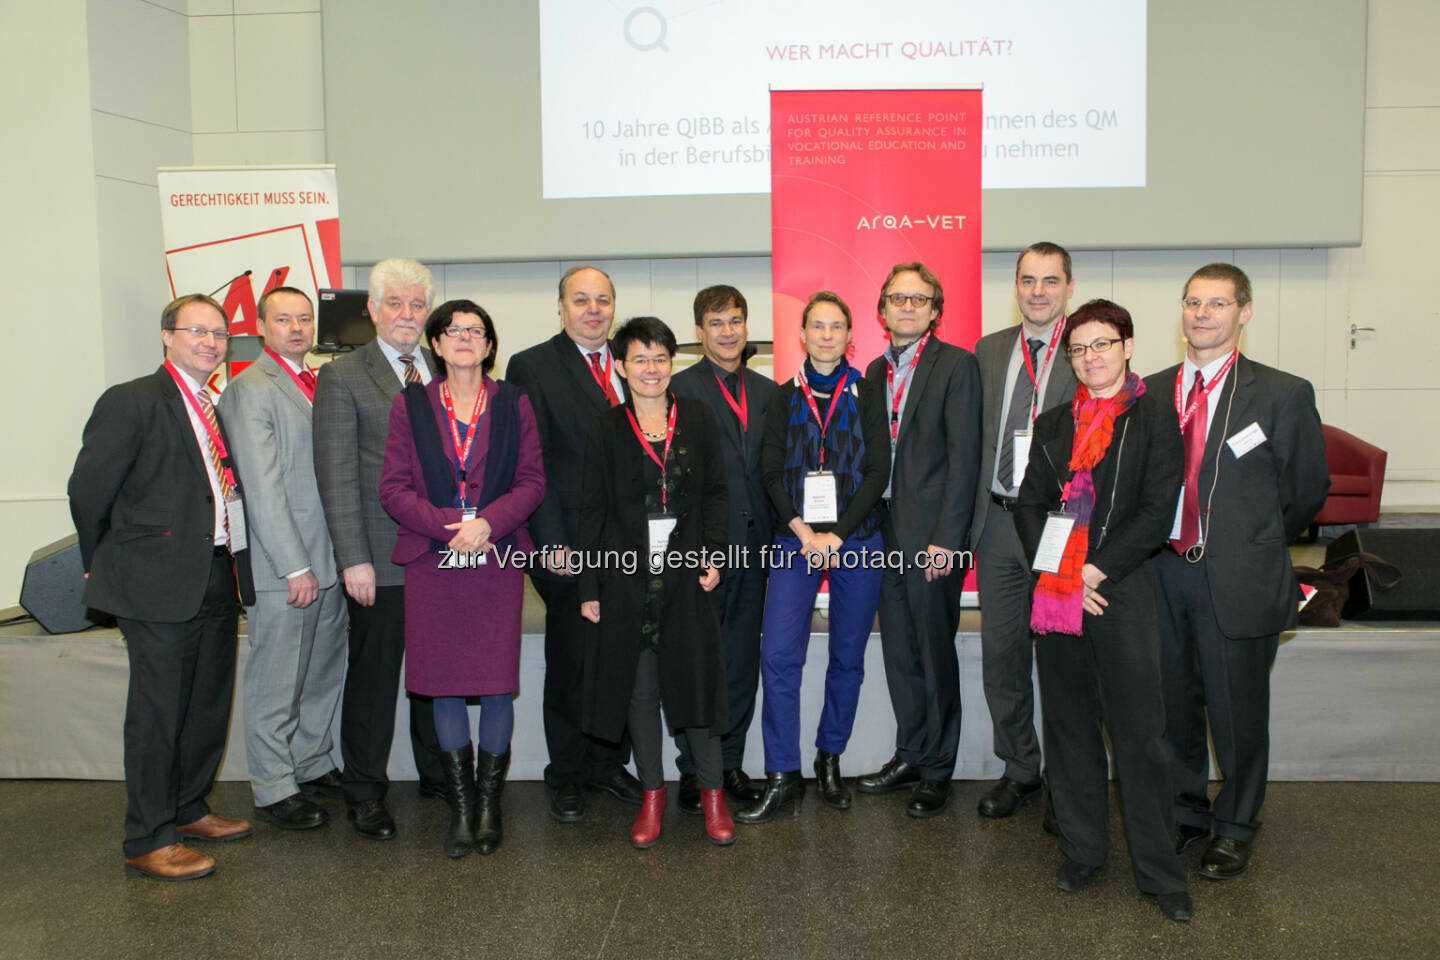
(268, 421)
(993, 352)
(351, 420)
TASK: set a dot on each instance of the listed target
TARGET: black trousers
(740, 605)
(177, 713)
(574, 757)
(1110, 675)
(643, 724)
(1006, 644)
(1227, 679)
(918, 620)
(367, 711)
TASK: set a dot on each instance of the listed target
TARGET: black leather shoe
(1007, 796)
(1074, 876)
(1225, 858)
(372, 820)
(292, 813)
(895, 775)
(620, 784)
(928, 799)
(327, 785)
(827, 777)
(567, 803)
(1187, 836)
(1176, 906)
(741, 788)
(434, 790)
(687, 797)
(781, 787)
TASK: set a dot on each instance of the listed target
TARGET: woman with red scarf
(1097, 502)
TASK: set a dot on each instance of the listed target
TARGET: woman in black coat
(1096, 504)
(654, 511)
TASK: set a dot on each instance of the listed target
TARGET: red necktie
(1194, 437)
(307, 379)
(603, 381)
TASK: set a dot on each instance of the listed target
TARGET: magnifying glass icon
(651, 32)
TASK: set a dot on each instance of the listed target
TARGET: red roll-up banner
(861, 180)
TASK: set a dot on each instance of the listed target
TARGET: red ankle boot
(646, 829)
(718, 825)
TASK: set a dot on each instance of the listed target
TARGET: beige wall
(151, 82)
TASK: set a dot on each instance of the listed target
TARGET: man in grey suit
(297, 623)
(932, 397)
(1023, 373)
(352, 417)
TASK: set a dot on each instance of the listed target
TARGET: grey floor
(1344, 870)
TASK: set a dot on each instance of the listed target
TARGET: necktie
(412, 373)
(307, 377)
(1194, 437)
(1018, 416)
(732, 383)
(207, 410)
(603, 381)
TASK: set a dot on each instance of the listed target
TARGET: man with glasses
(297, 624)
(569, 379)
(1254, 476)
(932, 402)
(161, 526)
(351, 418)
(1023, 373)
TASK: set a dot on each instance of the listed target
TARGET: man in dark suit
(932, 397)
(351, 418)
(738, 398)
(1023, 373)
(1255, 474)
(156, 504)
(570, 378)
(296, 667)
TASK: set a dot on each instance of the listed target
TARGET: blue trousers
(785, 635)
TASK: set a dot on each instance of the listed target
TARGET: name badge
(1052, 542)
(1246, 440)
(467, 514)
(235, 512)
(661, 525)
(1021, 441)
(821, 499)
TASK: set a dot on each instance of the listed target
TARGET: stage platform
(1355, 702)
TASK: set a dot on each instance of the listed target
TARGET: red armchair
(1357, 474)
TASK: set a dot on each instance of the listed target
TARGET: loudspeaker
(54, 582)
(1415, 553)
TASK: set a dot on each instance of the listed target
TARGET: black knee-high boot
(490, 780)
(459, 766)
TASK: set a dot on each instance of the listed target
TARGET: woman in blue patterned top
(825, 461)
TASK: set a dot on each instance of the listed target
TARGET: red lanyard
(896, 395)
(1189, 412)
(215, 438)
(810, 399)
(284, 364)
(1044, 366)
(650, 451)
(742, 410)
(462, 453)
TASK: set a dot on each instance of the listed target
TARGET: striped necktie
(412, 373)
(207, 410)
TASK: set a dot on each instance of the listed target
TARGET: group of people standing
(1135, 544)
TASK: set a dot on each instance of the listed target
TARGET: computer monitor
(344, 321)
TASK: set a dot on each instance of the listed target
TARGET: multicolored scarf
(1058, 606)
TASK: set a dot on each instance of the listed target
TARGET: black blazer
(1137, 483)
(566, 400)
(1262, 500)
(143, 508)
(741, 451)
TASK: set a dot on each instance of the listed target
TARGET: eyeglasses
(1077, 350)
(659, 363)
(1214, 303)
(200, 333)
(899, 299)
(455, 333)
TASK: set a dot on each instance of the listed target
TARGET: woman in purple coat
(462, 474)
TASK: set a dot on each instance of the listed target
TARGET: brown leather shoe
(212, 826)
(175, 862)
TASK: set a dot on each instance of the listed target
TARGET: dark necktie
(603, 381)
(412, 373)
(1018, 416)
(732, 383)
(1194, 437)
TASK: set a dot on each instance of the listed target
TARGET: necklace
(653, 436)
